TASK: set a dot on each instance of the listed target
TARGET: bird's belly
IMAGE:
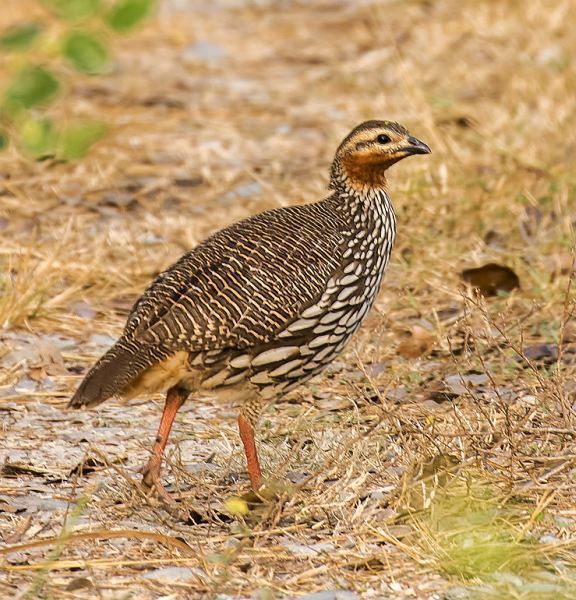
(175, 370)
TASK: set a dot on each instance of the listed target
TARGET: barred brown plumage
(263, 305)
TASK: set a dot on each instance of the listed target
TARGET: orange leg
(247, 436)
(151, 474)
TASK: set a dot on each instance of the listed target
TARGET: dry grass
(436, 457)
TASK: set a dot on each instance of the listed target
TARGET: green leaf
(77, 138)
(19, 37)
(86, 52)
(32, 86)
(4, 140)
(127, 14)
(74, 10)
(38, 137)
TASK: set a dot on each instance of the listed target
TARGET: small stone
(331, 595)
(203, 51)
(101, 341)
(242, 190)
(172, 574)
(83, 310)
(308, 550)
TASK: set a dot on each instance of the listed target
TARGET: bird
(263, 305)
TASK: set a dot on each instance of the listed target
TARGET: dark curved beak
(415, 146)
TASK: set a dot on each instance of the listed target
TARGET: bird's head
(363, 157)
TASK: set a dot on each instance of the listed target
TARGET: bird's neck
(365, 206)
(357, 177)
(369, 230)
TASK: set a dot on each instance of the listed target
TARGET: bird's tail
(119, 367)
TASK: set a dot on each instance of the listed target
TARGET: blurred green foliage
(37, 137)
(3, 140)
(19, 37)
(84, 33)
(86, 52)
(492, 545)
(77, 137)
(31, 86)
(74, 10)
(126, 15)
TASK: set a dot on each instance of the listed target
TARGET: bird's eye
(383, 139)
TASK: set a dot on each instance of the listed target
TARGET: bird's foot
(152, 483)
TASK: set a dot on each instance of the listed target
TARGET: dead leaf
(491, 279)
(15, 536)
(80, 583)
(87, 466)
(419, 343)
(439, 392)
(7, 507)
(37, 374)
(461, 384)
(9, 469)
(541, 352)
(50, 358)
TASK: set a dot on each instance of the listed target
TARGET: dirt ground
(435, 458)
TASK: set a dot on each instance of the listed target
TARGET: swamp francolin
(265, 304)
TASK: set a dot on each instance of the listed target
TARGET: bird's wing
(243, 285)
